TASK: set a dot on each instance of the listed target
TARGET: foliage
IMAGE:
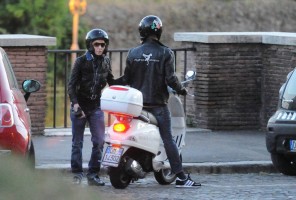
(37, 17)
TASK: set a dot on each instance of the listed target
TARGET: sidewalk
(205, 151)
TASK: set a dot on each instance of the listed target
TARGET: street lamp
(77, 7)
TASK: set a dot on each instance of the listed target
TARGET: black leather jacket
(150, 69)
(89, 76)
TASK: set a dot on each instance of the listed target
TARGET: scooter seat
(147, 117)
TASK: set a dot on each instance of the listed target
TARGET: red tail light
(121, 127)
(6, 116)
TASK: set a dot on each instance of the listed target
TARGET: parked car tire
(31, 156)
(283, 164)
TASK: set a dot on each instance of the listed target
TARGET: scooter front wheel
(119, 178)
(165, 176)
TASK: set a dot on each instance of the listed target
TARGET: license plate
(112, 156)
(293, 145)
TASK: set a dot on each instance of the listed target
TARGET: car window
(11, 77)
(289, 96)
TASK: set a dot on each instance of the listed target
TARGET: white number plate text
(112, 156)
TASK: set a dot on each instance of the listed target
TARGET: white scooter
(134, 146)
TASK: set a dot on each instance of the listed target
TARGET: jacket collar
(151, 40)
(89, 56)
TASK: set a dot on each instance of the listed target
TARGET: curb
(230, 167)
(199, 168)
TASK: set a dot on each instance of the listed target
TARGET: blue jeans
(97, 129)
(163, 117)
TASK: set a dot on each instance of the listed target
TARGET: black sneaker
(95, 181)
(187, 183)
(77, 178)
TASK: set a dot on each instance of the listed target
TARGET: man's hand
(75, 107)
(77, 110)
(183, 92)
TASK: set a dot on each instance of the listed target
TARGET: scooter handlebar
(190, 76)
(175, 92)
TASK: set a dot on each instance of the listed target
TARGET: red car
(15, 123)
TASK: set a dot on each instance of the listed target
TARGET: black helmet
(96, 34)
(150, 25)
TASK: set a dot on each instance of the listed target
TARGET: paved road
(261, 186)
(208, 148)
(205, 151)
(18, 183)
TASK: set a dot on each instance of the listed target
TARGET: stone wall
(28, 56)
(229, 86)
(239, 75)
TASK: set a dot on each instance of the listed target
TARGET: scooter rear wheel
(119, 178)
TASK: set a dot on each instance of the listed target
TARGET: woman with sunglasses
(90, 74)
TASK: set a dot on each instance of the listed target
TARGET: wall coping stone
(279, 38)
(17, 40)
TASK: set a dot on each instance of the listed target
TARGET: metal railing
(61, 74)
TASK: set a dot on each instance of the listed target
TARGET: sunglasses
(97, 44)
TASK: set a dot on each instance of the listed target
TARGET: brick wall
(239, 77)
(228, 89)
(31, 63)
(237, 85)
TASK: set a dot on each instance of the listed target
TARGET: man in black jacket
(90, 74)
(150, 68)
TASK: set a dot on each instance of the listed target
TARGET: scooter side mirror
(190, 75)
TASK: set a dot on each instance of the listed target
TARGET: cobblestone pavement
(214, 186)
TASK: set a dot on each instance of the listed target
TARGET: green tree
(38, 17)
